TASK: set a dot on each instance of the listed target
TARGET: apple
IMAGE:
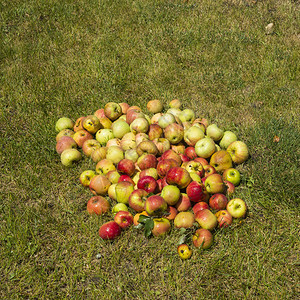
(184, 219)
(104, 135)
(147, 161)
(126, 166)
(206, 219)
(148, 184)
(119, 207)
(229, 187)
(97, 205)
(112, 192)
(131, 154)
(227, 139)
(164, 165)
(238, 151)
(70, 157)
(174, 111)
(120, 128)
(209, 170)
(232, 175)
(124, 106)
(184, 203)
(86, 176)
(166, 120)
(190, 152)
(175, 103)
(187, 115)
(146, 147)
(105, 122)
(214, 184)
(162, 145)
(184, 251)
(139, 125)
(141, 137)
(99, 185)
(133, 114)
(149, 172)
(196, 191)
(124, 219)
(155, 106)
(115, 154)
(202, 238)
(137, 200)
(224, 218)
(128, 141)
(91, 124)
(193, 135)
(99, 113)
(161, 226)
(201, 160)
(99, 154)
(104, 166)
(195, 167)
(195, 177)
(123, 191)
(89, 146)
(174, 133)
(154, 132)
(78, 125)
(171, 154)
(135, 107)
(214, 132)
(178, 148)
(112, 110)
(184, 158)
(109, 230)
(81, 136)
(221, 160)
(178, 176)
(171, 194)
(218, 201)
(65, 142)
(155, 205)
(171, 212)
(125, 177)
(155, 118)
(237, 208)
(113, 176)
(205, 147)
(114, 142)
(64, 132)
(200, 206)
(64, 123)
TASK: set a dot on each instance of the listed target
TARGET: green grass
(68, 58)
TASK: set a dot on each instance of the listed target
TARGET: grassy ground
(68, 58)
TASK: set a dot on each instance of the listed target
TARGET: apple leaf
(143, 219)
(149, 224)
(182, 239)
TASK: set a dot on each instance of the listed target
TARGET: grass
(68, 58)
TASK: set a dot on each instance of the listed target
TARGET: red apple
(178, 176)
(190, 152)
(202, 161)
(126, 166)
(155, 205)
(172, 212)
(164, 165)
(99, 185)
(214, 184)
(161, 226)
(154, 132)
(126, 178)
(171, 154)
(97, 205)
(208, 170)
(78, 124)
(184, 203)
(81, 136)
(148, 184)
(229, 187)
(200, 206)
(109, 230)
(124, 219)
(206, 219)
(65, 142)
(196, 192)
(147, 161)
(137, 200)
(224, 218)
(202, 238)
(218, 201)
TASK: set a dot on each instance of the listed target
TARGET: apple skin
(86, 176)
(232, 175)
(171, 194)
(147, 161)
(202, 238)
(97, 205)
(166, 120)
(218, 201)
(119, 207)
(155, 106)
(201, 160)
(195, 167)
(184, 203)
(78, 125)
(139, 125)
(104, 166)
(175, 103)
(214, 184)
(70, 157)
(104, 135)
(237, 208)
(196, 192)
(224, 218)
(126, 166)
(229, 187)
(81, 136)
(238, 151)
(227, 139)
(214, 132)
(64, 132)
(124, 219)
(174, 133)
(89, 146)
(193, 135)
(161, 226)
(178, 176)
(155, 205)
(205, 147)
(99, 185)
(99, 154)
(187, 115)
(172, 212)
(184, 251)
(113, 176)
(149, 172)
(221, 160)
(137, 200)
(164, 165)
(123, 191)
(162, 145)
(65, 142)
(109, 230)
(120, 128)
(63, 123)
(148, 183)
(209, 170)
(124, 106)
(206, 219)
(91, 124)
(184, 219)
(133, 114)
(112, 110)
(155, 132)
(178, 148)
(127, 178)
(200, 206)
(171, 154)
(131, 154)
(115, 154)
(190, 152)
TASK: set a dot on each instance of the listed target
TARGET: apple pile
(152, 170)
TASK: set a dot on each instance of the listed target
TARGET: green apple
(193, 135)
(104, 135)
(70, 157)
(120, 128)
(232, 175)
(227, 139)
(123, 191)
(214, 132)
(237, 208)
(64, 123)
(187, 115)
(115, 154)
(238, 151)
(171, 194)
(205, 147)
(166, 120)
(119, 207)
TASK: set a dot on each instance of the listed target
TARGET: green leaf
(142, 219)
(181, 239)
(149, 224)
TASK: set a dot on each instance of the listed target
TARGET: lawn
(69, 58)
